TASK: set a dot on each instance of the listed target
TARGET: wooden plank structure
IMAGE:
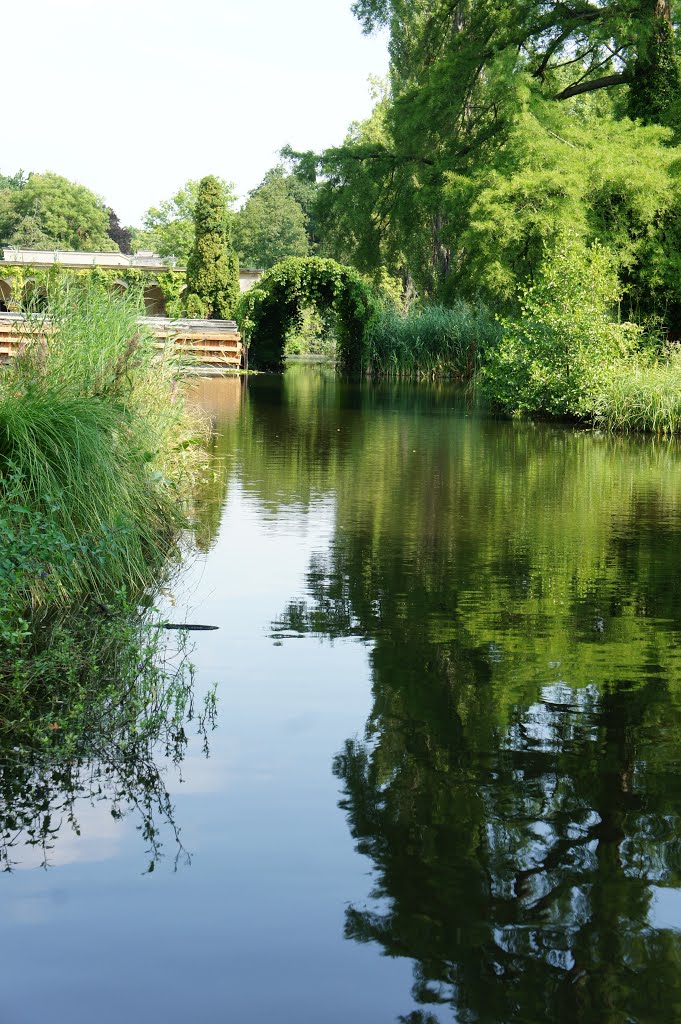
(214, 343)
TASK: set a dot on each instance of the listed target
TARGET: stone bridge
(151, 266)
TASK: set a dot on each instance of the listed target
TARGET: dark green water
(445, 778)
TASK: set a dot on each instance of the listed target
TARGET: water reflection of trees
(517, 787)
(96, 716)
(513, 847)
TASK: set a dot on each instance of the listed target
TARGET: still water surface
(444, 781)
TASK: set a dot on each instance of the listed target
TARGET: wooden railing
(203, 342)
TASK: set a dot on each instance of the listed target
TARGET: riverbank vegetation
(503, 139)
(431, 340)
(97, 460)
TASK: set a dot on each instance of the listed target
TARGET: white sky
(133, 97)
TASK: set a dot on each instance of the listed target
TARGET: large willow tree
(502, 125)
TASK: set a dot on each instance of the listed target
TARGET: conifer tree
(213, 267)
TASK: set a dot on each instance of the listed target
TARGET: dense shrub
(558, 354)
(213, 267)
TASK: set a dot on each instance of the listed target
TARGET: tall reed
(96, 446)
(641, 393)
(431, 341)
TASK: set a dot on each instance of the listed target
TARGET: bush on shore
(641, 394)
(556, 356)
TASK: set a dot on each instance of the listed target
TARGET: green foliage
(505, 125)
(342, 298)
(310, 337)
(213, 266)
(13, 181)
(642, 393)
(301, 170)
(556, 355)
(23, 280)
(368, 212)
(655, 89)
(169, 228)
(566, 170)
(271, 224)
(431, 341)
(96, 455)
(48, 211)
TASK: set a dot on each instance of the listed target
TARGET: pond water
(443, 781)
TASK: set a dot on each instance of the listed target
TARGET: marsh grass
(641, 394)
(431, 341)
(96, 447)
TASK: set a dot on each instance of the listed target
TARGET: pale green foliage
(271, 224)
(563, 169)
(642, 393)
(48, 211)
(169, 227)
(556, 355)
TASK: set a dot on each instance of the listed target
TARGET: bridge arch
(338, 293)
(154, 300)
(5, 296)
(34, 296)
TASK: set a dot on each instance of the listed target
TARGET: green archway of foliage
(338, 293)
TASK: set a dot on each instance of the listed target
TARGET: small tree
(213, 267)
(554, 357)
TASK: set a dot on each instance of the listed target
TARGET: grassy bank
(641, 394)
(97, 455)
(98, 459)
(566, 352)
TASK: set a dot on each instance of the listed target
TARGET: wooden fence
(202, 342)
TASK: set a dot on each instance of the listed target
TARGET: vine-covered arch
(338, 293)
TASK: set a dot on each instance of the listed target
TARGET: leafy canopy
(271, 224)
(49, 211)
(554, 356)
(503, 126)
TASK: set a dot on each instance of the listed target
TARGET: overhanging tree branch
(592, 85)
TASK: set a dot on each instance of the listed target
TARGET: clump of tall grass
(431, 340)
(641, 393)
(95, 447)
